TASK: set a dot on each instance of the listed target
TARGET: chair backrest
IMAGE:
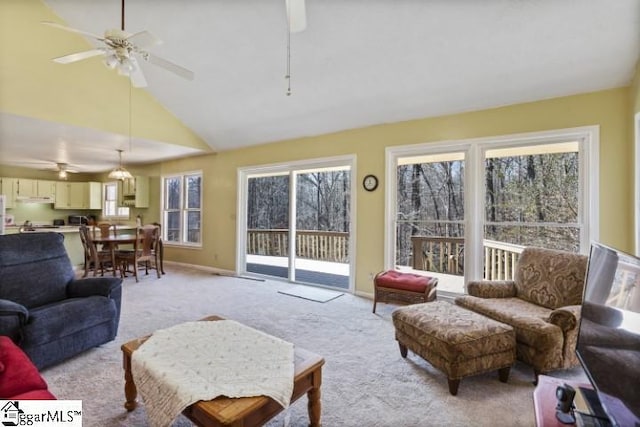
(35, 268)
(550, 278)
(105, 229)
(89, 246)
(150, 234)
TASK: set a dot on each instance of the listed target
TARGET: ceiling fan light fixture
(62, 174)
(120, 172)
(111, 61)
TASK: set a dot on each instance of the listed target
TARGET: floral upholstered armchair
(542, 304)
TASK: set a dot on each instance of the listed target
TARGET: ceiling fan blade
(168, 65)
(296, 15)
(72, 30)
(144, 39)
(78, 56)
(136, 75)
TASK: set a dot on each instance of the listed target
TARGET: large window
(182, 212)
(110, 208)
(464, 210)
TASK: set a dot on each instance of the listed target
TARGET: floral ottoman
(457, 341)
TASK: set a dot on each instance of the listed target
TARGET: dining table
(112, 242)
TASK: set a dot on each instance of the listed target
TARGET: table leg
(313, 395)
(130, 390)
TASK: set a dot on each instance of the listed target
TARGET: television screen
(609, 333)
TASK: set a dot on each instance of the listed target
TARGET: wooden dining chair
(145, 254)
(94, 259)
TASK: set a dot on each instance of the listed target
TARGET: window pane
(173, 226)
(110, 191)
(541, 189)
(193, 191)
(109, 208)
(193, 226)
(172, 186)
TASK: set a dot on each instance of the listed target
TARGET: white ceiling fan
(120, 50)
(61, 168)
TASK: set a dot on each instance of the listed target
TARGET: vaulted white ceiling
(365, 62)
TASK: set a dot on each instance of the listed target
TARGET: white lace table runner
(202, 360)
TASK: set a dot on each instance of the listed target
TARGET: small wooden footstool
(457, 341)
(403, 287)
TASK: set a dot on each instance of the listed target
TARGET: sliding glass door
(322, 226)
(267, 225)
(297, 222)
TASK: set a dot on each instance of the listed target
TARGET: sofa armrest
(492, 288)
(566, 318)
(12, 317)
(103, 286)
(10, 308)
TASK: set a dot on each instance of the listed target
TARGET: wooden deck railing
(446, 255)
(331, 246)
(437, 254)
(500, 260)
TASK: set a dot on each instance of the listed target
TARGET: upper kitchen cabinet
(78, 195)
(7, 187)
(26, 188)
(134, 192)
(46, 189)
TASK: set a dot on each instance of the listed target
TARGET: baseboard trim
(206, 268)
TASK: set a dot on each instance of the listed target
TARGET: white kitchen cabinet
(78, 195)
(7, 187)
(134, 192)
(46, 189)
(26, 187)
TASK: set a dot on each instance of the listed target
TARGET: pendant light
(120, 172)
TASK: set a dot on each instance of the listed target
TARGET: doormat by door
(311, 293)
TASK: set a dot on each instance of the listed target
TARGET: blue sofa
(44, 309)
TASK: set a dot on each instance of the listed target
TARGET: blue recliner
(48, 313)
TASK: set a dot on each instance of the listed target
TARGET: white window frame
(122, 212)
(182, 209)
(474, 149)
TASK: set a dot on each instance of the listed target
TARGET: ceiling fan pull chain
(288, 75)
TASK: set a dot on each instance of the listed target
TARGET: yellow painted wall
(608, 109)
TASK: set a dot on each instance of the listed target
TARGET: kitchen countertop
(57, 229)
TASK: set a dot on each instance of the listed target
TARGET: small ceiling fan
(120, 50)
(63, 170)
(60, 167)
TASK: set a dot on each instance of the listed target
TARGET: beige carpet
(365, 381)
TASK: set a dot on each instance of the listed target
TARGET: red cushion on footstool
(19, 375)
(404, 281)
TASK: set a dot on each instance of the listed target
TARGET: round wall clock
(370, 182)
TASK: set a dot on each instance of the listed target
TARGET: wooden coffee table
(244, 411)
